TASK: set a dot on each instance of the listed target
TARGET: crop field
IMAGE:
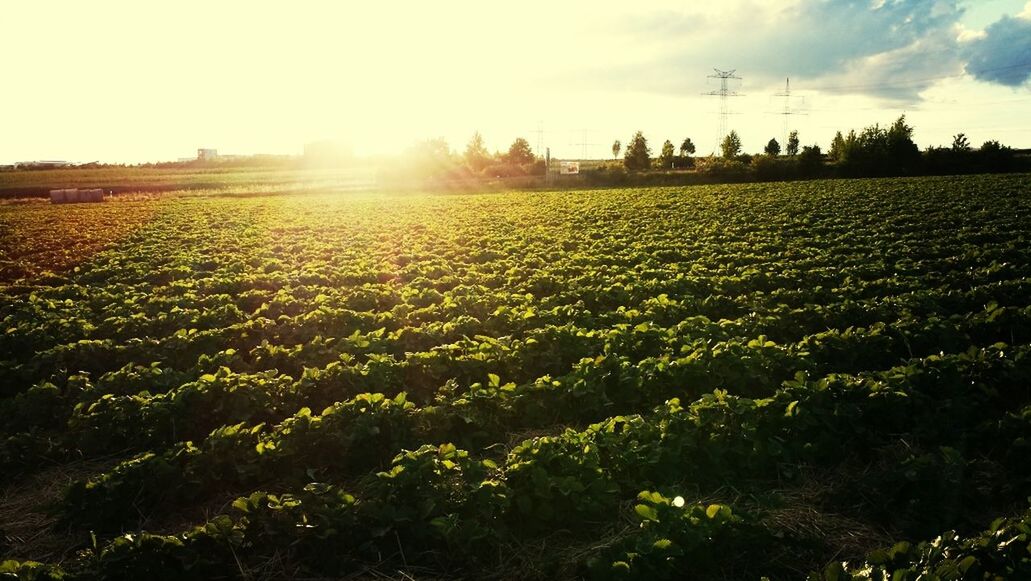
(37, 183)
(826, 380)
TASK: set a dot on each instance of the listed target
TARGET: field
(37, 183)
(827, 379)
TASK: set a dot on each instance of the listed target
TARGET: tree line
(872, 152)
(434, 159)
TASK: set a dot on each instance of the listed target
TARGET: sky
(130, 81)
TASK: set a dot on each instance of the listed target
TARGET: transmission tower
(723, 93)
(584, 145)
(787, 112)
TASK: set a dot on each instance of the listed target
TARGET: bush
(608, 175)
(768, 168)
(683, 162)
(726, 169)
(810, 161)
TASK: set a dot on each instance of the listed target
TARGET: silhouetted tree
(994, 156)
(476, 155)
(879, 151)
(903, 154)
(792, 143)
(520, 152)
(772, 148)
(837, 147)
(961, 143)
(616, 146)
(810, 160)
(731, 145)
(666, 157)
(687, 147)
(638, 156)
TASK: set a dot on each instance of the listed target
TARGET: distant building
(207, 153)
(44, 163)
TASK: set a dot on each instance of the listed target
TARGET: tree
(994, 156)
(476, 155)
(878, 151)
(687, 147)
(666, 157)
(616, 146)
(638, 156)
(810, 159)
(903, 154)
(731, 145)
(837, 147)
(519, 152)
(792, 143)
(430, 158)
(961, 143)
(772, 148)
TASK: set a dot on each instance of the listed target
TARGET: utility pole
(547, 166)
(723, 93)
(787, 112)
(540, 137)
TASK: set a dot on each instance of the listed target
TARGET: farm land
(826, 380)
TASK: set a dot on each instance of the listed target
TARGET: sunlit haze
(132, 82)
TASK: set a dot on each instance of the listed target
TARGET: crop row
(440, 498)
(637, 367)
(360, 434)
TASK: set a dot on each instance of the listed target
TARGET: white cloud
(860, 45)
(1026, 13)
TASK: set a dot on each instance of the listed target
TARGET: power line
(723, 93)
(583, 144)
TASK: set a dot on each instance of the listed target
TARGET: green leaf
(242, 505)
(714, 510)
(652, 497)
(967, 563)
(621, 566)
(646, 512)
(663, 544)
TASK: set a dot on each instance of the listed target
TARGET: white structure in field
(569, 167)
(204, 153)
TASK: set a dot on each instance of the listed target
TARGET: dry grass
(27, 520)
(804, 511)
